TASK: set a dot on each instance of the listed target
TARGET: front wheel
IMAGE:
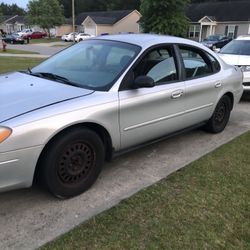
(72, 162)
(220, 117)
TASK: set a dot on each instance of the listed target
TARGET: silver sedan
(62, 119)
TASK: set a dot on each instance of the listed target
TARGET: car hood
(22, 93)
(235, 59)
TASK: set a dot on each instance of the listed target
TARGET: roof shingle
(221, 11)
(103, 17)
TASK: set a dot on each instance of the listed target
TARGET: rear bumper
(17, 168)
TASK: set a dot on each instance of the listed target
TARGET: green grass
(15, 51)
(63, 45)
(8, 64)
(45, 40)
(206, 205)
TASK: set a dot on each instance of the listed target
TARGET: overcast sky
(20, 3)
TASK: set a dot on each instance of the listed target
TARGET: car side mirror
(143, 82)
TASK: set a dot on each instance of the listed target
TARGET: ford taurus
(62, 119)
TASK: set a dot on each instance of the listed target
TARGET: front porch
(201, 30)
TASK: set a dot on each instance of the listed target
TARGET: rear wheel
(220, 117)
(72, 163)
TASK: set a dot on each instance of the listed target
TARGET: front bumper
(17, 168)
(246, 80)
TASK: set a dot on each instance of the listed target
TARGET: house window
(194, 31)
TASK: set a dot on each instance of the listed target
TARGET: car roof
(245, 37)
(147, 40)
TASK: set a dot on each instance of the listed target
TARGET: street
(43, 49)
(29, 218)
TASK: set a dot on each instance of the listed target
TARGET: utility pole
(73, 19)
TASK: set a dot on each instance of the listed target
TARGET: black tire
(220, 117)
(80, 39)
(72, 163)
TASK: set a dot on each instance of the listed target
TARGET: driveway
(30, 218)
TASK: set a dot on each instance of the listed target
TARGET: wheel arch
(97, 128)
(231, 96)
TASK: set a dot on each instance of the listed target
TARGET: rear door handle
(177, 94)
(218, 85)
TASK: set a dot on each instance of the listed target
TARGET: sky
(20, 3)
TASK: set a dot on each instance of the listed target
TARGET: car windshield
(237, 47)
(92, 64)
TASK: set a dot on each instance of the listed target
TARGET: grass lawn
(45, 40)
(15, 51)
(8, 64)
(205, 205)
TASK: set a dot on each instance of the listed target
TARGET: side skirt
(127, 150)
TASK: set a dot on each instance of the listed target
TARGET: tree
(45, 13)
(83, 6)
(98, 5)
(123, 5)
(205, 1)
(11, 10)
(164, 16)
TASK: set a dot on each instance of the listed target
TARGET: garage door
(90, 30)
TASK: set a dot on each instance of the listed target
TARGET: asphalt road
(43, 49)
(29, 218)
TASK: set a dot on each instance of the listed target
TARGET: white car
(25, 32)
(237, 53)
(82, 36)
(69, 37)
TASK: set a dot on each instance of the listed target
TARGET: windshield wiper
(54, 77)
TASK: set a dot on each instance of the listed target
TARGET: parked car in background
(216, 41)
(13, 39)
(25, 32)
(237, 53)
(62, 119)
(69, 37)
(35, 35)
(82, 36)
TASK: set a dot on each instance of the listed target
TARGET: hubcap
(220, 113)
(75, 163)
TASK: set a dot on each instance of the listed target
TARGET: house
(111, 22)
(229, 18)
(10, 24)
(65, 28)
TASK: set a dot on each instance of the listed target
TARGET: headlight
(4, 133)
(245, 68)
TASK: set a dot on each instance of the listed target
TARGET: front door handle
(218, 85)
(177, 94)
